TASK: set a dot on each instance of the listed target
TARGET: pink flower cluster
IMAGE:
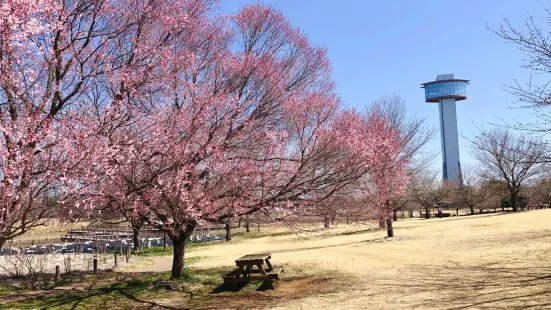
(161, 111)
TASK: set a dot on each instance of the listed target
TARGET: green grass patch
(135, 293)
(155, 251)
(357, 232)
(6, 289)
(10, 286)
(158, 251)
(262, 234)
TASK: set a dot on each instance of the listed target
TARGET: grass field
(500, 261)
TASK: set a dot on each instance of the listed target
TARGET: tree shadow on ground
(457, 286)
(201, 290)
(82, 295)
(239, 286)
(268, 293)
(373, 240)
(79, 300)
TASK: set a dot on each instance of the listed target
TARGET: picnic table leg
(240, 274)
(249, 270)
(270, 267)
(262, 271)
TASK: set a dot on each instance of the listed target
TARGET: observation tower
(446, 90)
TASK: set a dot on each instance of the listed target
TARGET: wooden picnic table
(246, 270)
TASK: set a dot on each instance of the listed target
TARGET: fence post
(121, 249)
(56, 279)
(95, 265)
(116, 260)
(127, 255)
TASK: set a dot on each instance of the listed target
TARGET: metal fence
(105, 240)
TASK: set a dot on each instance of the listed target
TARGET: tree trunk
(326, 221)
(410, 214)
(333, 220)
(347, 220)
(247, 225)
(472, 210)
(239, 222)
(456, 211)
(179, 245)
(389, 229)
(382, 223)
(395, 214)
(228, 231)
(136, 238)
(427, 213)
(514, 201)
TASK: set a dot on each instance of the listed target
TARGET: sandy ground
(478, 262)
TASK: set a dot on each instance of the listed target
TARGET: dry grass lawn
(477, 262)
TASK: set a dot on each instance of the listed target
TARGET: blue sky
(383, 47)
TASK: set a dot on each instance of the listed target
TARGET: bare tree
(414, 131)
(535, 41)
(473, 193)
(499, 190)
(514, 159)
(426, 190)
(540, 191)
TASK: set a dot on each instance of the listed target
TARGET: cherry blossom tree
(389, 178)
(50, 53)
(407, 135)
(168, 114)
(224, 119)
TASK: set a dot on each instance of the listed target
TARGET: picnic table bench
(245, 270)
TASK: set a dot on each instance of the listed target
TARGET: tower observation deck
(446, 90)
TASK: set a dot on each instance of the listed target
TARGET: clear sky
(392, 46)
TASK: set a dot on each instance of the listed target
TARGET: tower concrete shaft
(451, 165)
(446, 90)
